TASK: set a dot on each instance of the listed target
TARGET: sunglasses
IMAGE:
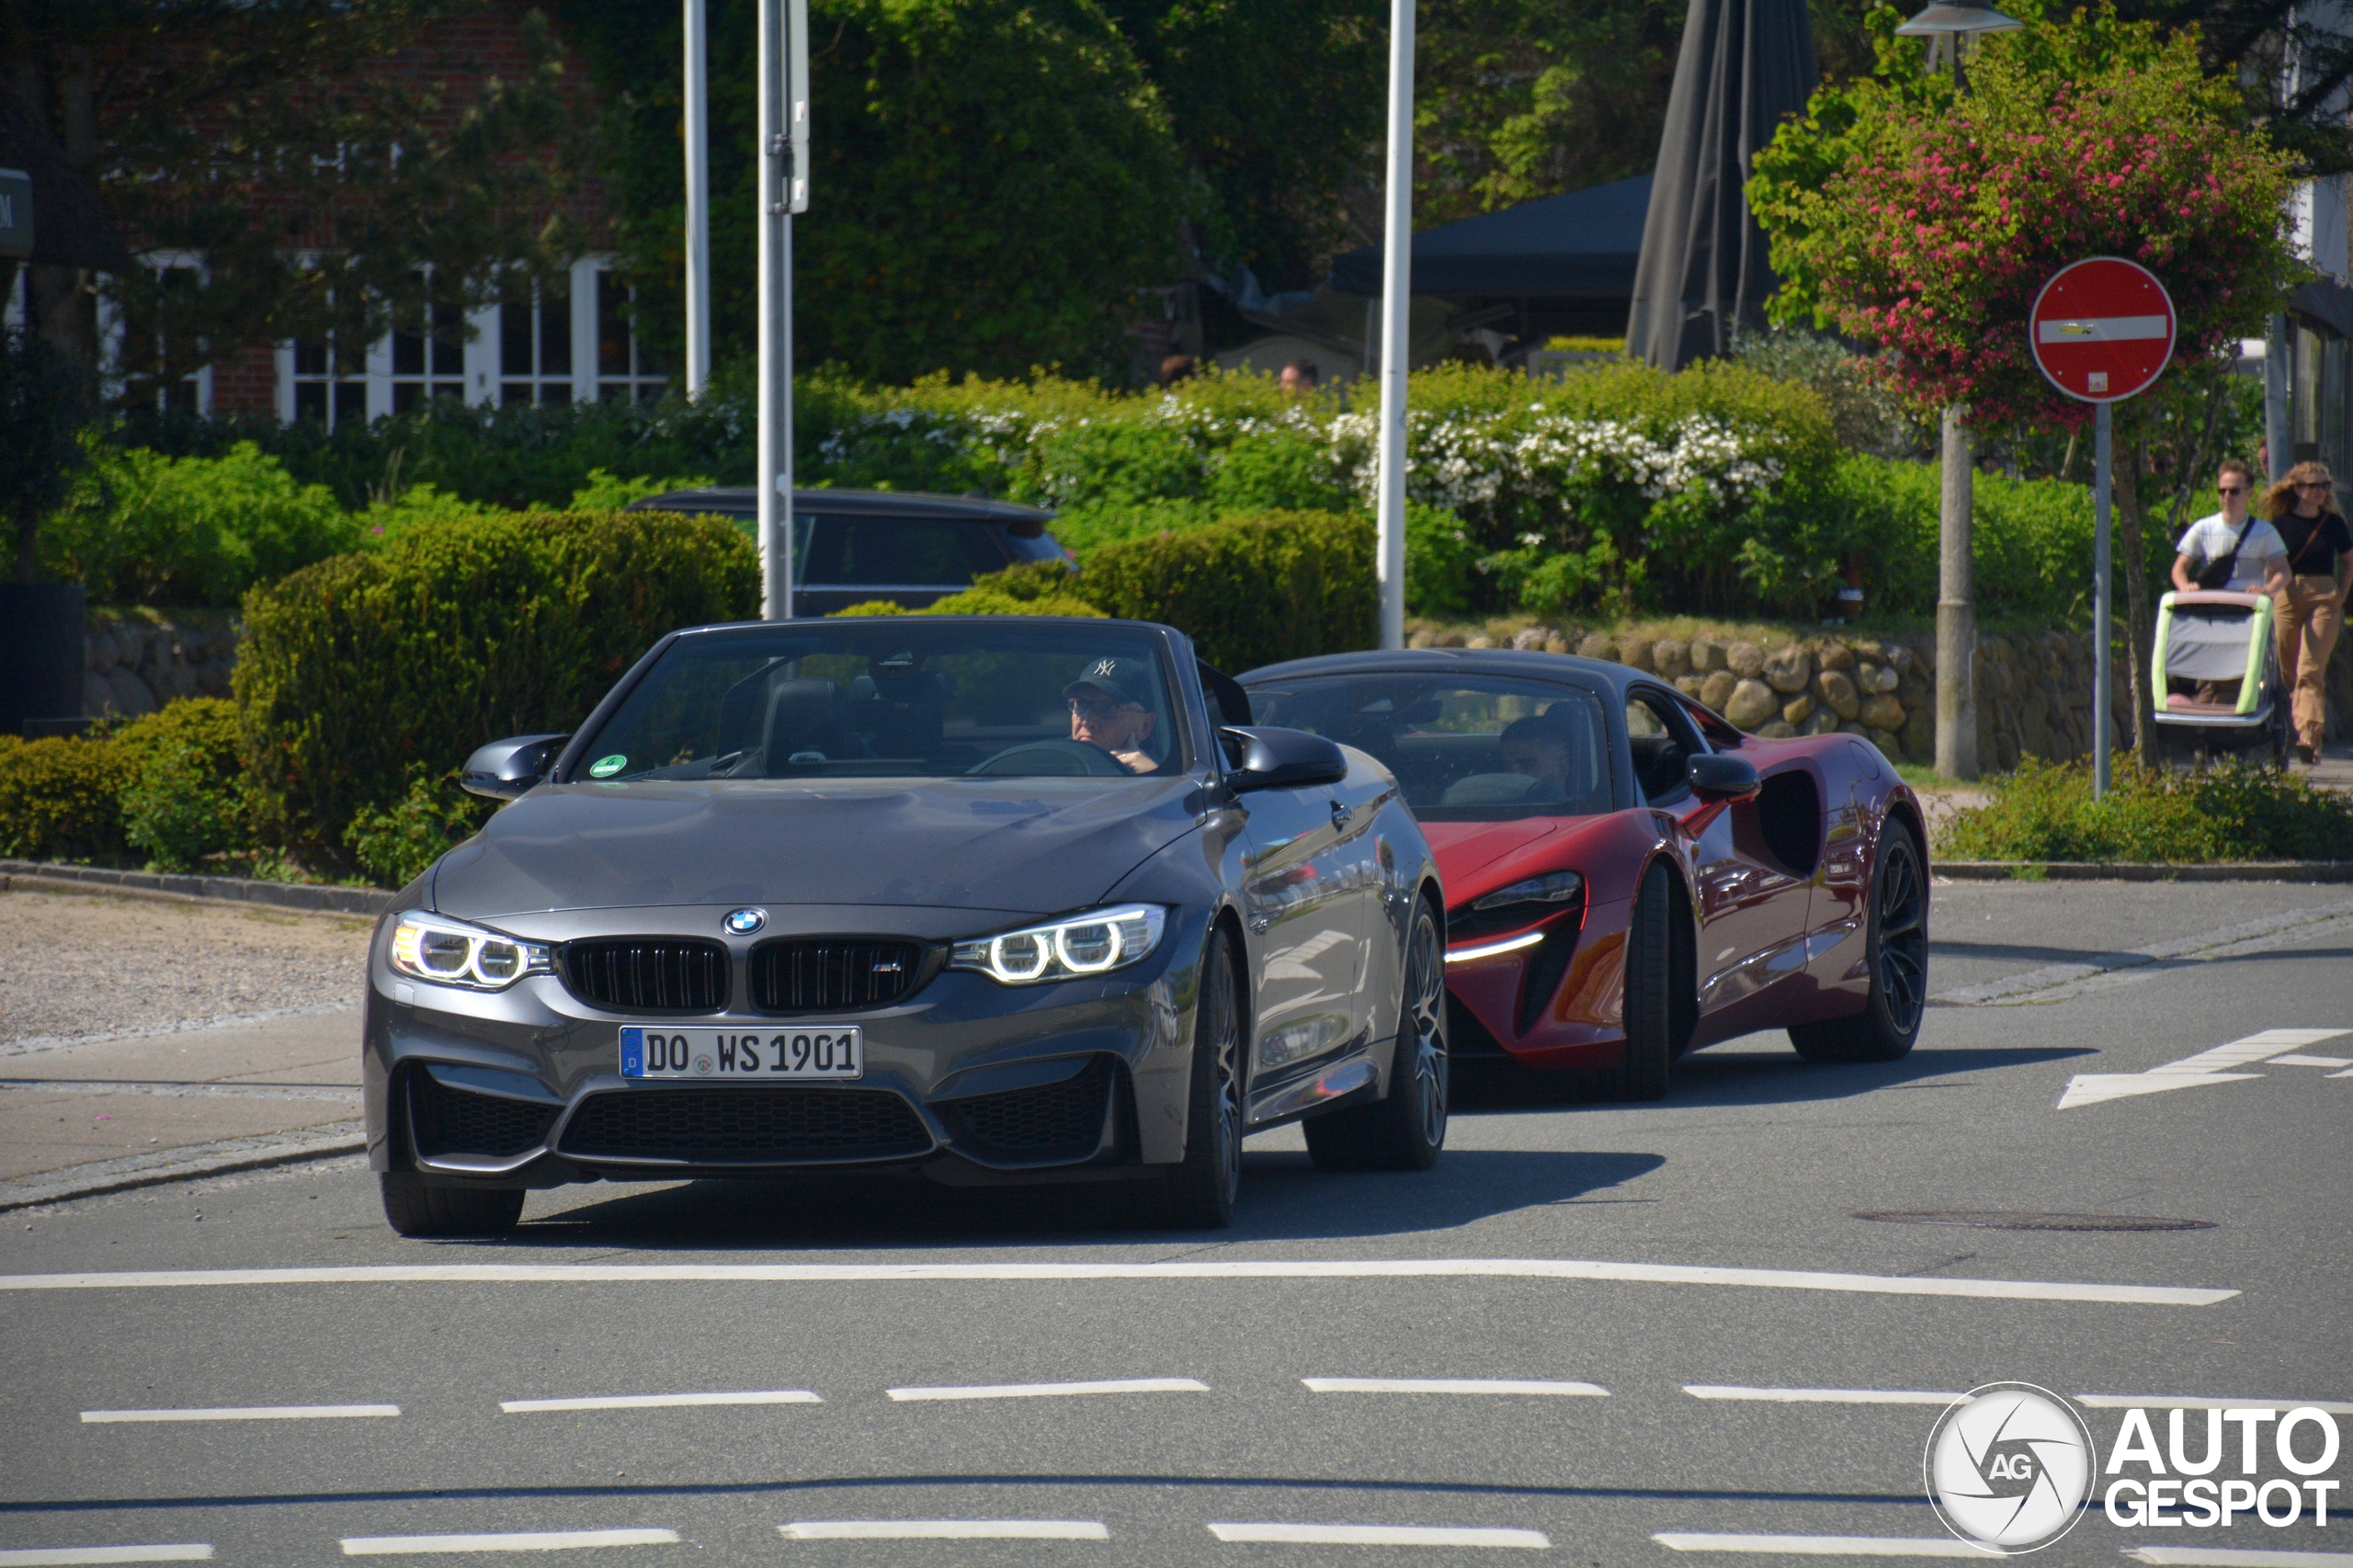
(2313, 485)
(1094, 707)
(2232, 489)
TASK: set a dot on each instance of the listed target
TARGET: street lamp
(1947, 27)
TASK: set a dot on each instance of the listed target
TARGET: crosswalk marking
(1383, 1535)
(511, 1541)
(944, 1530)
(1823, 1545)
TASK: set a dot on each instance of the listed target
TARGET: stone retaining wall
(137, 660)
(2034, 693)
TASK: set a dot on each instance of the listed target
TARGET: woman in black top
(2309, 609)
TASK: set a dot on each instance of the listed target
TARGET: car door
(1304, 892)
(1752, 910)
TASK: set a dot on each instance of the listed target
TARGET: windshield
(1464, 748)
(895, 696)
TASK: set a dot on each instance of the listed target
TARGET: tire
(414, 1206)
(1405, 1129)
(1896, 951)
(1199, 1192)
(1643, 1072)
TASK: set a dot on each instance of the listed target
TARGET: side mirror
(505, 769)
(1281, 759)
(1719, 778)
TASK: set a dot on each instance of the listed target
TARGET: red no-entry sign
(2102, 329)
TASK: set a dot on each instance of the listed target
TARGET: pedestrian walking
(2308, 606)
(2231, 550)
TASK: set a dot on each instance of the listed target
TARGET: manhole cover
(1994, 1221)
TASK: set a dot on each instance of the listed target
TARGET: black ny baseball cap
(1124, 681)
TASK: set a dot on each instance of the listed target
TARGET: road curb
(49, 876)
(2143, 871)
(184, 1165)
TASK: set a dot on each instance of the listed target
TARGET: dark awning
(70, 227)
(1582, 244)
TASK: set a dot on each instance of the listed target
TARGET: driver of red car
(1539, 748)
(1107, 711)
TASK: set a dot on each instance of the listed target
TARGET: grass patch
(2045, 812)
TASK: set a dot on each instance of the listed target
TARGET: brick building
(571, 342)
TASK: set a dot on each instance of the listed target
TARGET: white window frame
(113, 329)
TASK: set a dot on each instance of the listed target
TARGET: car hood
(1462, 847)
(1019, 845)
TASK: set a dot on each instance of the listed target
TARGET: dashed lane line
(1052, 1391)
(2190, 1402)
(944, 1530)
(659, 1400)
(1371, 1269)
(514, 1540)
(180, 1551)
(1383, 1535)
(1823, 1545)
(244, 1413)
(1449, 1385)
(1822, 1396)
(2228, 1557)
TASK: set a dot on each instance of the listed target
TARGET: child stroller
(2218, 676)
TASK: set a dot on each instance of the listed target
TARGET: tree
(1925, 221)
(46, 401)
(280, 142)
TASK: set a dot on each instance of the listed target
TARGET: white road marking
(2347, 1073)
(2185, 1402)
(1448, 1385)
(1369, 1268)
(2206, 1067)
(944, 1530)
(2311, 1061)
(1384, 1535)
(1821, 1396)
(2224, 1557)
(1049, 1391)
(245, 1413)
(26, 1557)
(660, 1401)
(517, 1541)
(1824, 1545)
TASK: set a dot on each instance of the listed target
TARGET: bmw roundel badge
(744, 922)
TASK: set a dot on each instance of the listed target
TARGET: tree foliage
(1925, 222)
(281, 142)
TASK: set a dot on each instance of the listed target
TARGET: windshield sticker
(605, 767)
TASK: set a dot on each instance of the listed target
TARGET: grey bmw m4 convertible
(989, 898)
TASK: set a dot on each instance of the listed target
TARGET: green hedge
(61, 799)
(357, 670)
(2045, 812)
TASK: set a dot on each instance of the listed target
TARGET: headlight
(1093, 943)
(450, 952)
(1553, 887)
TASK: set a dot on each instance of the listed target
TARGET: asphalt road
(1722, 1209)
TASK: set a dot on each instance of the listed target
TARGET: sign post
(2102, 330)
(783, 190)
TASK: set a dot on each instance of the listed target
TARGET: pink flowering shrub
(1925, 222)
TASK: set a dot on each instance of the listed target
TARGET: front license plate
(823, 1050)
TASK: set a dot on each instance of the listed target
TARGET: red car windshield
(1464, 748)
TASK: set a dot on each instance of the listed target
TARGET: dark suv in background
(850, 546)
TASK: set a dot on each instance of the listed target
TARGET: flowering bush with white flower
(1601, 490)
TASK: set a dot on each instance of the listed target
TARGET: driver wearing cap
(1107, 711)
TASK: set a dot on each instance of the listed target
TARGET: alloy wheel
(1903, 932)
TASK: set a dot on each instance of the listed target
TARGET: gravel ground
(192, 964)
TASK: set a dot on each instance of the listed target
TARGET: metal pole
(2280, 447)
(776, 323)
(1956, 606)
(1396, 298)
(2103, 701)
(698, 202)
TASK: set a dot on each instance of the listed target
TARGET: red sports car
(1629, 876)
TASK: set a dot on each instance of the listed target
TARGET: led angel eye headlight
(450, 952)
(1093, 943)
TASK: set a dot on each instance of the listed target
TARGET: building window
(135, 328)
(535, 347)
(430, 362)
(329, 382)
(626, 369)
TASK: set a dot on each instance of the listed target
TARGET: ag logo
(2008, 1467)
(744, 922)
